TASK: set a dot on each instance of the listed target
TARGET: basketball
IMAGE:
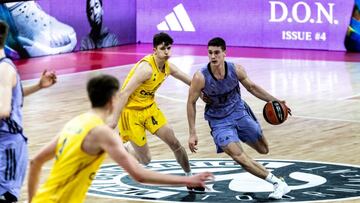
(275, 112)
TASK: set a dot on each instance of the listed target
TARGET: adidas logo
(177, 21)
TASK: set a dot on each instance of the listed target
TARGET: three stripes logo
(178, 20)
(10, 170)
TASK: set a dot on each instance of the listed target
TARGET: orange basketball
(275, 112)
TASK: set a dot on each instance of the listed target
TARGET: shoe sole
(36, 49)
(286, 192)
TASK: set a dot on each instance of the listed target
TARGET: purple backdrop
(306, 24)
(119, 17)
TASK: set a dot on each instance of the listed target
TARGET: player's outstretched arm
(47, 79)
(255, 89)
(142, 73)
(112, 144)
(8, 81)
(180, 75)
(197, 84)
(45, 154)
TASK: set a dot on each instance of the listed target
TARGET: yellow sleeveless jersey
(144, 95)
(73, 169)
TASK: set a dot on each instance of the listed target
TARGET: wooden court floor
(324, 97)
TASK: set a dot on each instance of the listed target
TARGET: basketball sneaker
(280, 189)
(39, 33)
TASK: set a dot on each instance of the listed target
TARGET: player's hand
(199, 179)
(48, 78)
(288, 109)
(193, 141)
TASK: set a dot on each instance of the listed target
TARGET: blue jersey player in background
(229, 117)
(13, 143)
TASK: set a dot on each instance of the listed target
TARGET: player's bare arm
(47, 79)
(112, 144)
(142, 73)
(255, 89)
(197, 84)
(46, 153)
(250, 86)
(8, 81)
(180, 75)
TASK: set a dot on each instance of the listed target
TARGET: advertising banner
(306, 24)
(44, 27)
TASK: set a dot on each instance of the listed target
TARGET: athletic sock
(272, 179)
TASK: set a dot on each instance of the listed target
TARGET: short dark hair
(88, 9)
(101, 88)
(217, 42)
(162, 37)
(4, 29)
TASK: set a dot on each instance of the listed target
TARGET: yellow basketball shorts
(132, 123)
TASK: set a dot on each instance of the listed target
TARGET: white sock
(272, 179)
(188, 173)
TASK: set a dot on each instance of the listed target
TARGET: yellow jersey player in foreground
(80, 148)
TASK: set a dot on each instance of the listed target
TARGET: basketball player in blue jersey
(13, 143)
(230, 118)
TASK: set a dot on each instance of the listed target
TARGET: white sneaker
(280, 189)
(39, 33)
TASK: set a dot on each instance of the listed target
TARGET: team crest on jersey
(309, 181)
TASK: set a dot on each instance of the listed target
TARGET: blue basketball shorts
(247, 129)
(13, 163)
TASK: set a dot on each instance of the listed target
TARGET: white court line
(303, 117)
(349, 97)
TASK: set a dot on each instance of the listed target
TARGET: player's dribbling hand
(193, 141)
(199, 179)
(288, 109)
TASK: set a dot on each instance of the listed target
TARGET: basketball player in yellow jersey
(137, 109)
(80, 148)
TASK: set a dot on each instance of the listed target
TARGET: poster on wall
(39, 28)
(306, 24)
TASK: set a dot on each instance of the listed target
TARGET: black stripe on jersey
(14, 164)
(10, 170)
(7, 164)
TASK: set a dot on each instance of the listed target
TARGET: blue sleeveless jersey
(225, 94)
(13, 124)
